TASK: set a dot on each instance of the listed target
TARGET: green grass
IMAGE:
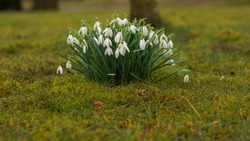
(37, 104)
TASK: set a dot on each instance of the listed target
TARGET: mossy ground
(37, 104)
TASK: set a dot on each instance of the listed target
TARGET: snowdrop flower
(107, 42)
(170, 62)
(75, 41)
(83, 31)
(132, 29)
(117, 53)
(143, 44)
(70, 40)
(97, 25)
(145, 31)
(68, 65)
(156, 41)
(84, 49)
(170, 52)
(97, 41)
(163, 44)
(122, 22)
(118, 37)
(108, 51)
(123, 47)
(59, 70)
(100, 39)
(151, 34)
(170, 44)
(108, 32)
(186, 78)
(163, 37)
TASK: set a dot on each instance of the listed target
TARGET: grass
(37, 104)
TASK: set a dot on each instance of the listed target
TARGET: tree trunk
(145, 9)
(45, 4)
(10, 4)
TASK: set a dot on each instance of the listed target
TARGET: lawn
(38, 104)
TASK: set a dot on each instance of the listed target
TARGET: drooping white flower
(163, 37)
(97, 25)
(75, 42)
(132, 29)
(186, 78)
(151, 34)
(108, 32)
(97, 41)
(170, 44)
(117, 53)
(107, 42)
(118, 37)
(70, 40)
(123, 47)
(156, 41)
(83, 31)
(145, 31)
(122, 22)
(84, 49)
(163, 44)
(142, 44)
(59, 70)
(171, 62)
(68, 65)
(100, 39)
(108, 51)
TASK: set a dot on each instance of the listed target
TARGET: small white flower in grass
(186, 78)
(143, 44)
(123, 47)
(170, 62)
(170, 44)
(100, 39)
(132, 29)
(122, 22)
(83, 31)
(107, 42)
(163, 37)
(145, 31)
(163, 44)
(108, 32)
(59, 70)
(70, 40)
(108, 51)
(118, 37)
(97, 41)
(68, 65)
(117, 53)
(97, 25)
(84, 49)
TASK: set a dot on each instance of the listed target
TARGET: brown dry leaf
(98, 104)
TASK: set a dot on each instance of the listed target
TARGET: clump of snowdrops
(120, 52)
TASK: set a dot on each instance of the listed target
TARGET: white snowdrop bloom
(117, 53)
(97, 41)
(108, 32)
(186, 78)
(123, 47)
(118, 37)
(107, 42)
(143, 44)
(163, 37)
(70, 40)
(59, 70)
(122, 22)
(108, 51)
(170, 44)
(170, 52)
(83, 31)
(132, 29)
(97, 25)
(163, 44)
(84, 49)
(68, 65)
(75, 41)
(100, 39)
(145, 31)
(151, 34)
(99, 30)
(156, 41)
